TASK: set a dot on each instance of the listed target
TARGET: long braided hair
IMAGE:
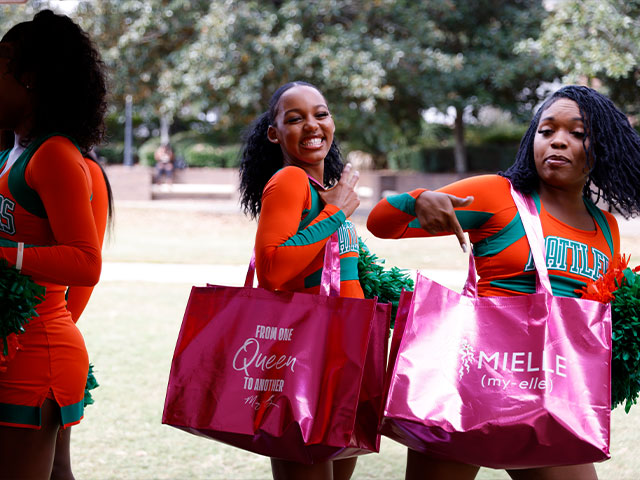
(611, 144)
(260, 158)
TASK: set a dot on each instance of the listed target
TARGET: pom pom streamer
(620, 286)
(91, 384)
(378, 282)
(19, 296)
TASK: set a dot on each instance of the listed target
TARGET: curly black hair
(66, 76)
(260, 158)
(612, 146)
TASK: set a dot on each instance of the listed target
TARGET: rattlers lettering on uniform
(7, 224)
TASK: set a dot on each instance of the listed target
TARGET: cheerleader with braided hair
(611, 144)
(579, 149)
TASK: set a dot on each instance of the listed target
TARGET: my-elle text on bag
(503, 382)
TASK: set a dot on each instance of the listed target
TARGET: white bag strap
(533, 230)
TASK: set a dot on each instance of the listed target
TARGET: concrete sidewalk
(628, 228)
(231, 275)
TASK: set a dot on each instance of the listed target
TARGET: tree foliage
(597, 41)
(380, 63)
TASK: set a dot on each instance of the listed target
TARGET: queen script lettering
(248, 355)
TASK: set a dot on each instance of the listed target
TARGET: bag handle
(330, 279)
(533, 230)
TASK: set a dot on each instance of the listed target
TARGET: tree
(380, 63)
(461, 54)
(596, 40)
(16, 13)
(138, 40)
(245, 50)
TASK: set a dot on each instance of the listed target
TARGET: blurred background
(437, 86)
(422, 93)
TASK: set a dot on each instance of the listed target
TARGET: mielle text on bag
(502, 382)
(289, 375)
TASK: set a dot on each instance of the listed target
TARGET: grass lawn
(131, 327)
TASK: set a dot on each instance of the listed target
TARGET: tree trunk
(459, 152)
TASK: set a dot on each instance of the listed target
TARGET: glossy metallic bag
(289, 375)
(503, 382)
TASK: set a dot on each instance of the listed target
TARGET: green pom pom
(378, 282)
(91, 384)
(19, 296)
(625, 358)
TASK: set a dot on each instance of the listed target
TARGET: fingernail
(464, 247)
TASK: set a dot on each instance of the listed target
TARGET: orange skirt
(52, 362)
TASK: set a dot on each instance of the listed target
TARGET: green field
(131, 328)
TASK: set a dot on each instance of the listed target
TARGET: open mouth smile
(312, 142)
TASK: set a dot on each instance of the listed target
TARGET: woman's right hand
(436, 214)
(343, 194)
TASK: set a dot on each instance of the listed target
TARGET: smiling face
(303, 128)
(558, 148)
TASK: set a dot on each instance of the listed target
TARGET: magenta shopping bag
(503, 382)
(289, 375)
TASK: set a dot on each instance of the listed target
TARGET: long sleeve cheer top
(502, 253)
(293, 228)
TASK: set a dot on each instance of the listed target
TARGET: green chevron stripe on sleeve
(468, 219)
(561, 286)
(494, 244)
(318, 231)
(403, 202)
(313, 211)
(415, 223)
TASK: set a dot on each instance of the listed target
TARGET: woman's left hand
(343, 194)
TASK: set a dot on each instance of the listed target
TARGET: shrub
(407, 158)
(496, 134)
(206, 155)
(146, 151)
(112, 152)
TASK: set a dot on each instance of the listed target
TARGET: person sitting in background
(165, 163)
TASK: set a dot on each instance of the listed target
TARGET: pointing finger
(457, 230)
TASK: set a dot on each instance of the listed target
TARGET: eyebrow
(321, 105)
(552, 118)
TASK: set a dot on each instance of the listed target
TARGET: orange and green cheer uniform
(501, 250)
(45, 204)
(77, 296)
(293, 228)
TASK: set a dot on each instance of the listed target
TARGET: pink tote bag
(502, 382)
(289, 375)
